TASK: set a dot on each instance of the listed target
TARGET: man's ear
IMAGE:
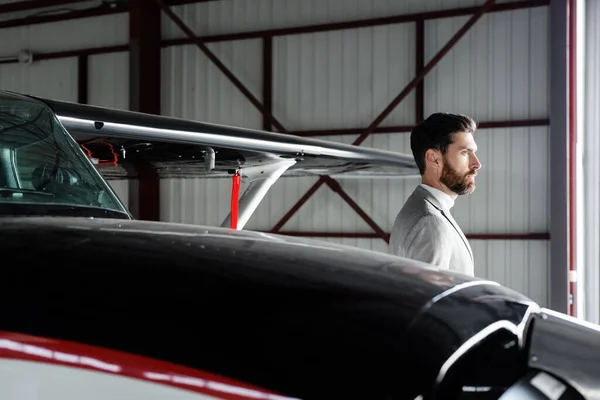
(433, 158)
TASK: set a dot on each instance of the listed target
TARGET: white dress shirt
(445, 200)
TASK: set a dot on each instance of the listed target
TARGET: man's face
(460, 164)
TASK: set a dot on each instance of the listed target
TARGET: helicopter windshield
(43, 171)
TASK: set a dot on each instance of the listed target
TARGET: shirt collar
(444, 199)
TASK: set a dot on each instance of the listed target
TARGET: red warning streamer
(235, 192)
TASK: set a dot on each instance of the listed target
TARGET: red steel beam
(373, 235)
(267, 83)
(144, 57)
(76, 53)
(145, 93)
(420, 75)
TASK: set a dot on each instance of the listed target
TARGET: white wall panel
(497, 71)
(108, 80)
(56, 78)
(519, 265)
(193, 87)
(343, 79)
(66, 35)
(73, 6)
(195, 201)
(513, 190)
(121, 189)
(50, 78)
(589, 261)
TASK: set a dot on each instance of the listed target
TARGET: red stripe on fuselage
(38, 349)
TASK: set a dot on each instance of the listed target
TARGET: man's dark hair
(436, 132)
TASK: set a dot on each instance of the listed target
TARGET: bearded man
(444, 150)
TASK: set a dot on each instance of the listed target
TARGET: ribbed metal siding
(66, 35)
(108, 80)
(590, 133)
(497, 71)
(49, 78)
(121, 189)
(194, 88)
(343, 79)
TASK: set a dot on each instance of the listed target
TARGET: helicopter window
(41, 164)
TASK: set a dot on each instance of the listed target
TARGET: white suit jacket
(424, 231)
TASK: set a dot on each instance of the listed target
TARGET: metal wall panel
(66, 35)
(108, 80)
(497, 72)
(48, 78)
(195, 201)
(194, 88)
(121, 188)
(343, 79)
(55, 78)
(108, 86)
(72, 6)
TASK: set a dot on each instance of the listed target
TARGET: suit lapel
(460, 232)
(433, 201)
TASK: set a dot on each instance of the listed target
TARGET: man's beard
(459, 184)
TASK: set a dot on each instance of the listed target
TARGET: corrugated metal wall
(341, 79)
(591, 164)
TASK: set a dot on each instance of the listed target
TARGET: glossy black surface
(57, 210)
(454, 319)
(303, 318)
(568, 348)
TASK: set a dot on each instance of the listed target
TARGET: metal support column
(144, 94)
